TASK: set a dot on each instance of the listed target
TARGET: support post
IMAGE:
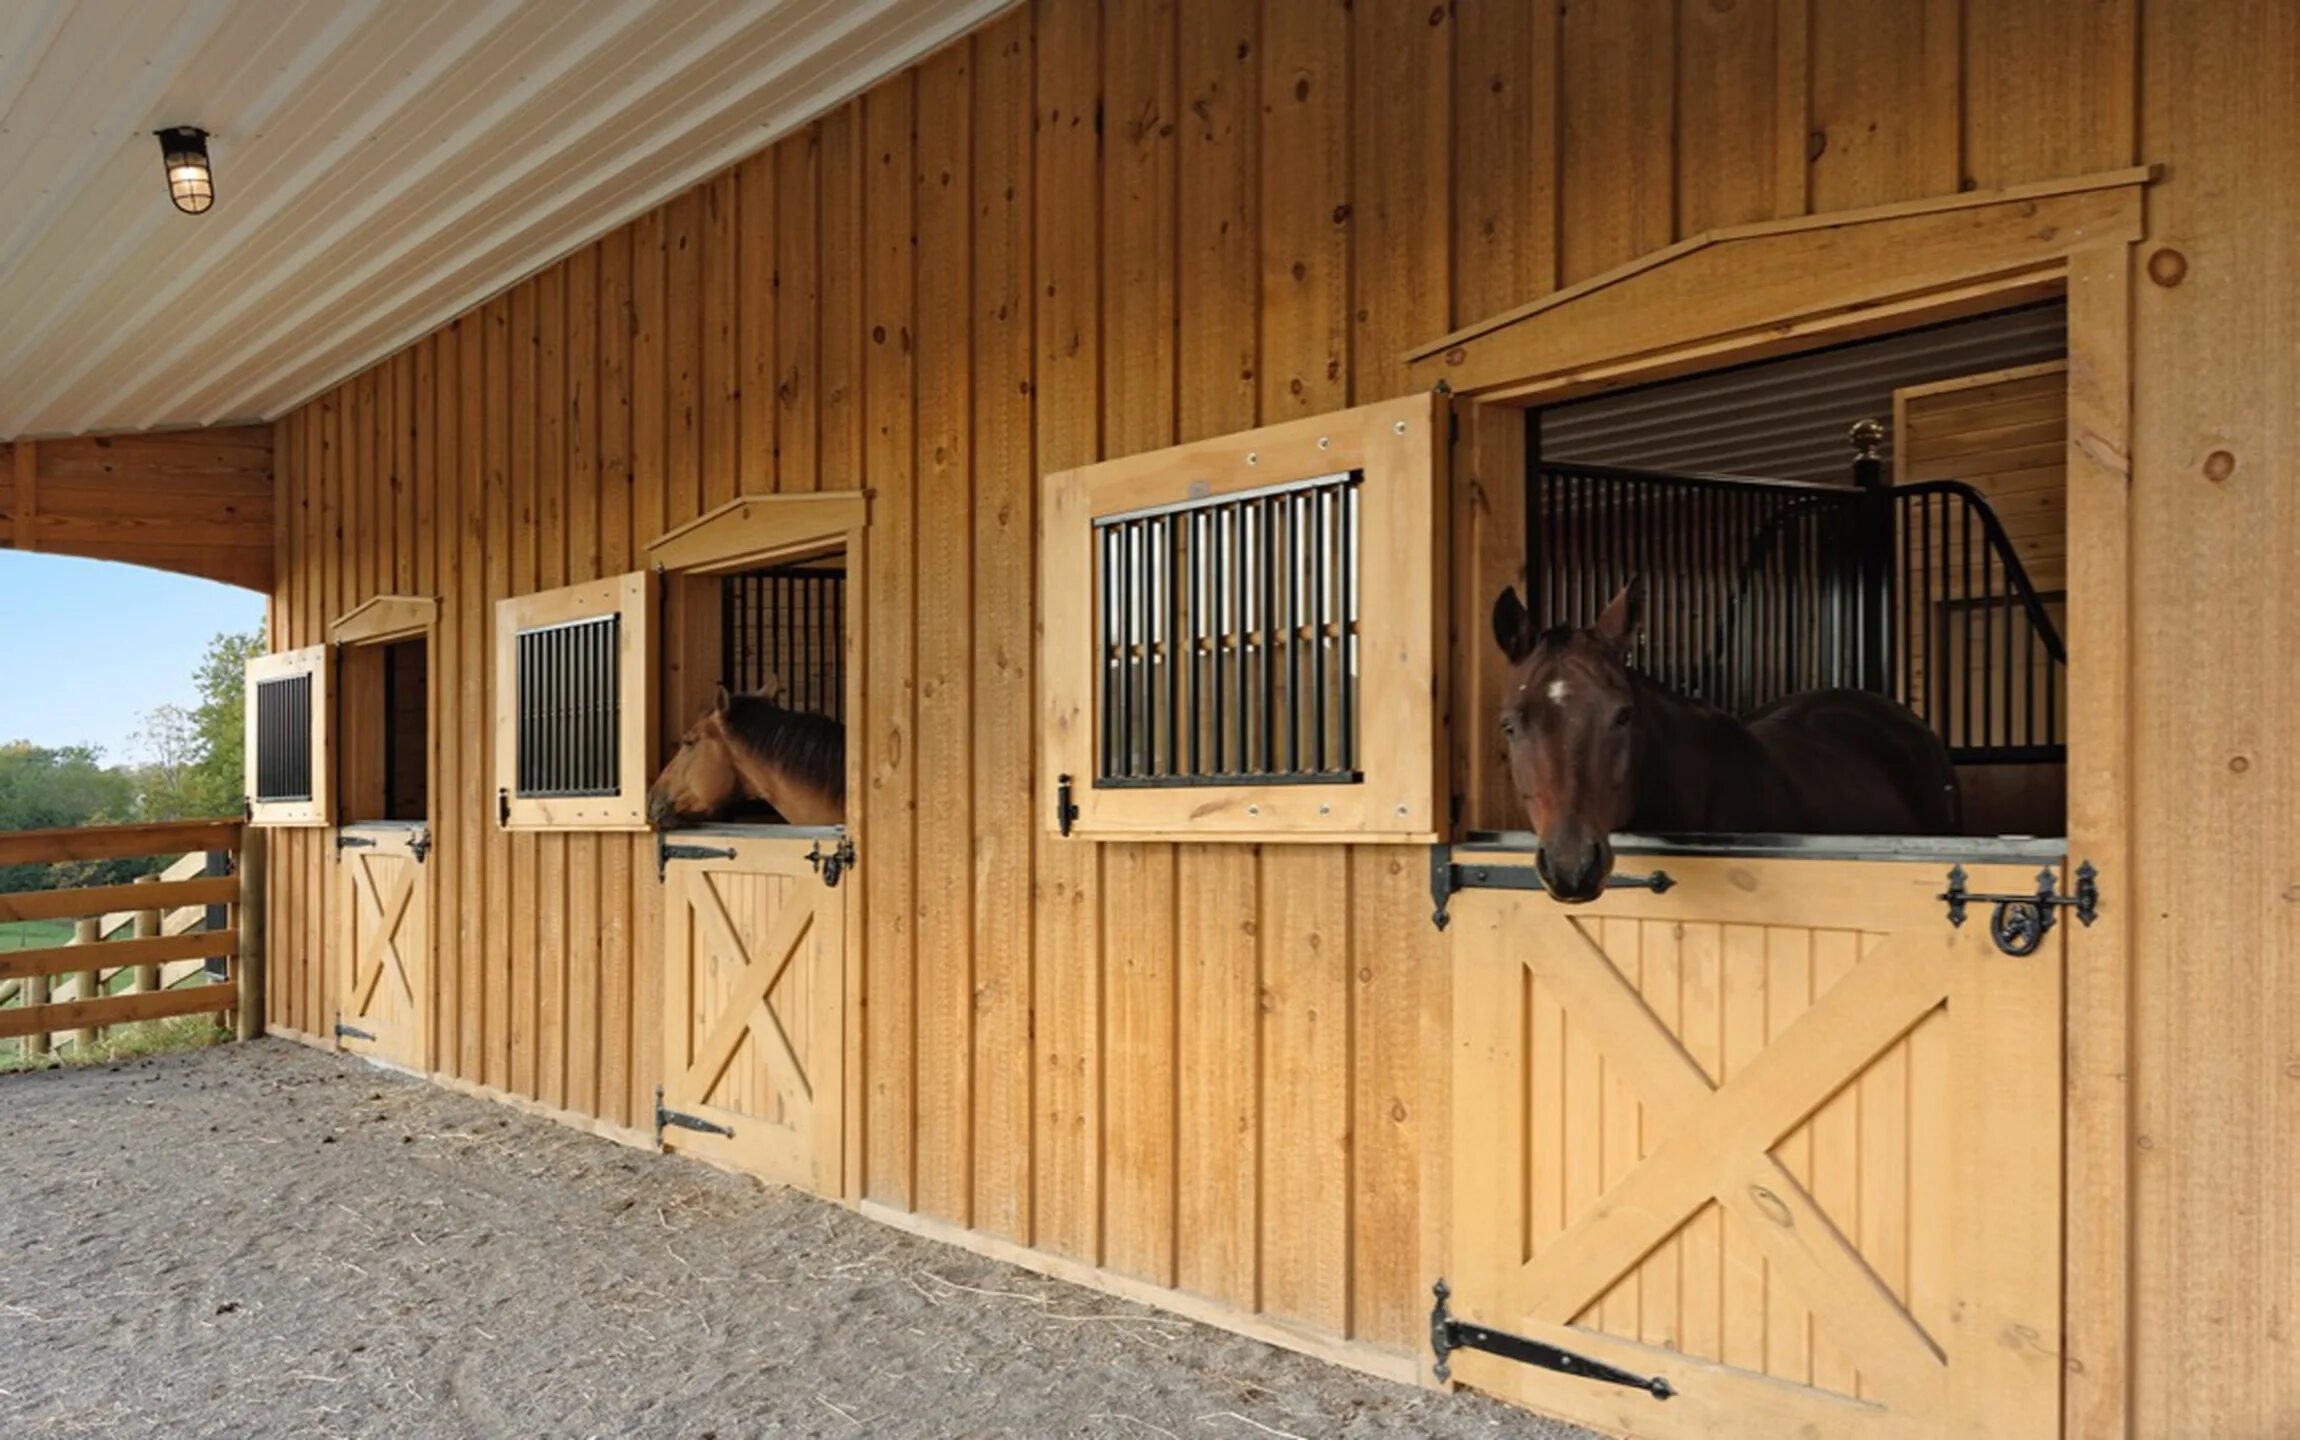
(33, 995)
(147, 928)
(249, 965)
(88, 930)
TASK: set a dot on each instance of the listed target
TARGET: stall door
(1782, 1137)
(753, 962)
(383, 1008)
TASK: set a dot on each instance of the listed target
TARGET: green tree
(43, 788)
(216, 783)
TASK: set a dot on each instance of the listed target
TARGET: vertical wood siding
(1086, 230)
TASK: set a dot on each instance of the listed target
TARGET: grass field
(35, 934)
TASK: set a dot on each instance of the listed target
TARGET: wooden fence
(69, 989)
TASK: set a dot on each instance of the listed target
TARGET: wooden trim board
(760, 529)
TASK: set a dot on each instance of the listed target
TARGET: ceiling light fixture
(191, 180)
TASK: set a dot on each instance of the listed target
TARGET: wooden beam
(248, 970)
(27, 495)
(118, 842)
(115, 954)
(197, 502)
(115, 1010)
(103, 899)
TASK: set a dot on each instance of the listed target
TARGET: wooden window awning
(1751, 291)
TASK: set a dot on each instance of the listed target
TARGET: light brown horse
(1595, 747)
(748, 748)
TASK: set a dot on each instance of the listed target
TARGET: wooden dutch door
(754, 954)
(1782, 1139)
(383, 897)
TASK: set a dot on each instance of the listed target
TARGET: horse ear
(1512, 625)
(721, 702)
(1622, 619)
(771, 687)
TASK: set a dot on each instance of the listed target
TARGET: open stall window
(383, 710)
(575, 705)
(287, 738)
(1241, 634)
(759, 603)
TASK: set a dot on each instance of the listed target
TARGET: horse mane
(811, 748)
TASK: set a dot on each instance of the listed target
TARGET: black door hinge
(833, 863)
(665, 1119)
(345, 842)
(2019, 923)
(1448, 1335)
(1448, 876)
(342, 1030)
(502, 808)
(1065, 811)
(666, 852)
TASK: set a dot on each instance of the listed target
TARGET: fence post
(147, 928)
(250, 963)
(33, 994)
(88, 930)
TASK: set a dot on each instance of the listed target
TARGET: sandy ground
(263, 1240)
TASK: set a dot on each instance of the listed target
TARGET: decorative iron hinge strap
(2019, 923)
(1448, 1335)
(665, 1119)
(832, 863)
(666, 852)
(342, 1030)
(1448, 877)
(352, 842)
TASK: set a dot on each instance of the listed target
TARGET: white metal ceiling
(381, 165)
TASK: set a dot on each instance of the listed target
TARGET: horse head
(701, 783)
(1568, 718)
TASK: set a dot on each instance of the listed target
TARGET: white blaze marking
(1557, 692)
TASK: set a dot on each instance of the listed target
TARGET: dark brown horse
(1595, 747)
(748, 748)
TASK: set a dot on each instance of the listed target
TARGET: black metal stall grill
(1228, 634)
(784, 629)
(1757, 589)
(570, 709)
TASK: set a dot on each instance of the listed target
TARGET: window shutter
(288, 738)
(575, 690)
(1241, 634)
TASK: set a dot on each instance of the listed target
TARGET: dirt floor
(264, 1240)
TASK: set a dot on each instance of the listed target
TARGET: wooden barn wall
(1091, 229)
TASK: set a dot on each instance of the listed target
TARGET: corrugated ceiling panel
(1787, 419)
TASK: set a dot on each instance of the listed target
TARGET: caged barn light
(191, 180)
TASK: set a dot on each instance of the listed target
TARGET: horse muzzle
(1576, 877)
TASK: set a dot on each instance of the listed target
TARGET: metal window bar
(570, 709)
(283, 739)
(1758, 589)
(786, 625)
(1228, 639)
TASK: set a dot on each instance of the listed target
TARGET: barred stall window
(575, 701)
(1228, 636)
(289, 776)
(1240, 635)
(570, 709)
(283, 739)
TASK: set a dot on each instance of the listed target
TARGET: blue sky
(92, 646)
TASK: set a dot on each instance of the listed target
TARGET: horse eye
(1623, 716)
(1509, 724)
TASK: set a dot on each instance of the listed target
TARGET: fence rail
(118, 982)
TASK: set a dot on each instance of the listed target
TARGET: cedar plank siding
(1086, 230)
